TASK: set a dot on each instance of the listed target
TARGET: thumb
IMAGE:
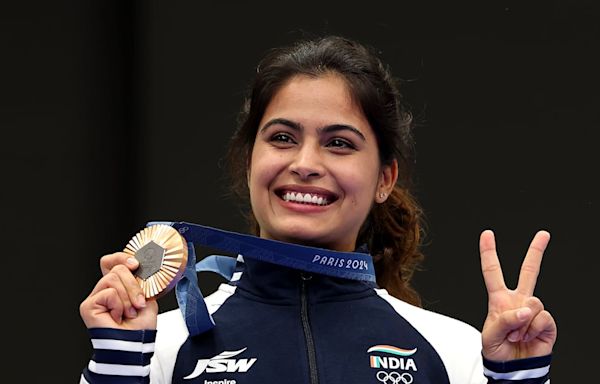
(108, 262)
(509, 325)
(132, 263)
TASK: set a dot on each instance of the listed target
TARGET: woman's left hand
(517, 325)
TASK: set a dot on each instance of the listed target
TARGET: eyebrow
(326, 129)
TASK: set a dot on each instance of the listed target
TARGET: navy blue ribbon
(347, 265)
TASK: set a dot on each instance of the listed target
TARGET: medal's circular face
(162, 253)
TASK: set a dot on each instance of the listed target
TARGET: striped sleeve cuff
(120, 356)
(534, 370)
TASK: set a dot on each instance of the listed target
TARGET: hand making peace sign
(516, 326)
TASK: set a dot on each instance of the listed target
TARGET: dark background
(114, 113)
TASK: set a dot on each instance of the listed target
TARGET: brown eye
(340, 143)
(282, 137)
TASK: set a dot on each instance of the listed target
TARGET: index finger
(530, 268)
(108, 262)
(490, 265)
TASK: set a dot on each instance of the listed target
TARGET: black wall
(114, 113)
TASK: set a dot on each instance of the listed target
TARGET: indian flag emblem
(393, 350)
(400, 360)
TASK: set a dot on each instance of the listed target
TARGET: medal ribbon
(347, 265)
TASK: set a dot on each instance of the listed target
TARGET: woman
(323, 153)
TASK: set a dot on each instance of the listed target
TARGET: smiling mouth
(307, 198)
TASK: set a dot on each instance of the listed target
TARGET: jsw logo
(222, 362)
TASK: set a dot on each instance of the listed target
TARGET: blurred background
(115, 113)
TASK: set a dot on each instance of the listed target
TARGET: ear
(387, 180)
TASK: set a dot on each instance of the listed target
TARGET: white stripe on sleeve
(122, 345)
(518, 375)
(119, 369)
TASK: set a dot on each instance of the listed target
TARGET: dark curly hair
(392, 230)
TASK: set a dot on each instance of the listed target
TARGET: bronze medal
(162, 253)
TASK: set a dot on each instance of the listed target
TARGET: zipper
(310, 344)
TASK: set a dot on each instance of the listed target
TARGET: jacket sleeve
(120, 356)
(535, 370)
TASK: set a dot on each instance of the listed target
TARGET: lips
(306, 195)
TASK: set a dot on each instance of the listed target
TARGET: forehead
(319, 100)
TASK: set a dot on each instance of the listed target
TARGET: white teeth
(304, 198)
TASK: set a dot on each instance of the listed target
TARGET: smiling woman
(323, 155)
(329, 152)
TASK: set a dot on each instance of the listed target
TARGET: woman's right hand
(117, 301)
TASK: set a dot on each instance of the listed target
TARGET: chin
(307, 232)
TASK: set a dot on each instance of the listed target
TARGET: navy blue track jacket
(275, 324)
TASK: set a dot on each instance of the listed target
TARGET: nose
(308, 162)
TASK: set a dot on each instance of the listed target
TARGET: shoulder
(458, 343)
(172, 331)
(428, 321)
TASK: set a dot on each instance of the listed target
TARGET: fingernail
(141, 300)
(132, 261)
(513, 337)
(132, 312)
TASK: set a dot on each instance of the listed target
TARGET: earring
(381, 195)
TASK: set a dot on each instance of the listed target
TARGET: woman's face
(314, 171)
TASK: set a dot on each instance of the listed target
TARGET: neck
(334, 246)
